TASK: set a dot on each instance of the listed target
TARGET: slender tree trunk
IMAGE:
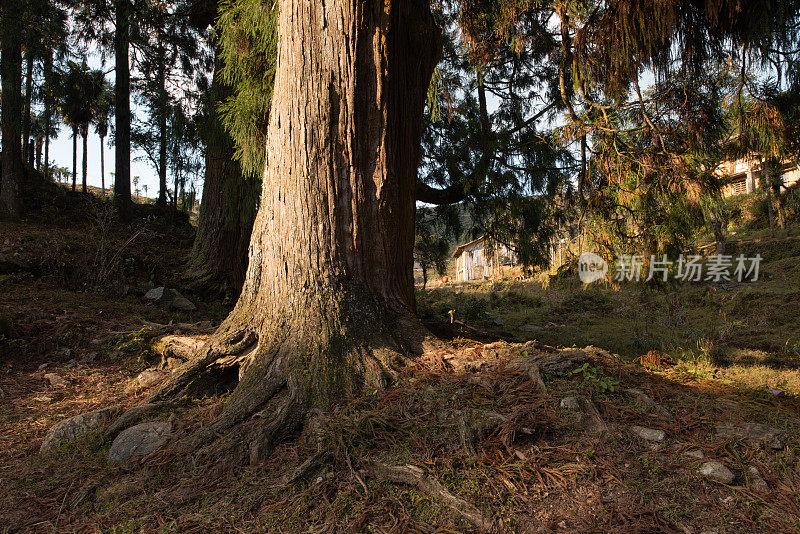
(175, 179)
(85, 135)
(776, 190)
(102, 166)
(48, 112)
(327, 308)
(11, 75)
(26, 117)
(39, 154)
(122, 115)
(74, 157)
(162, 128)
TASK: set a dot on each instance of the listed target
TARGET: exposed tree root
(422, 480)
(333, 351)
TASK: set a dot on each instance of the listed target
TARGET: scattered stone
(43, 366)
(144, 380)
(754, 434)
(169, 298)
(757, 481)
(531, 328)
(179, 302)
(56, 380)
(139, 441)
(69, 429)
(649, 434)
(159, 296)
(571, 403)
(131, 417)
(776, 392)
(717, 472)
(697, 454)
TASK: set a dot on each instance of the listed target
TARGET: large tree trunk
(122, 115)
(11, 75)
(327, 308)
(219, 255)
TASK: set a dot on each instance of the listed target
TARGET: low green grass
(750, 332)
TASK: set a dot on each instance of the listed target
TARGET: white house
(477, 261)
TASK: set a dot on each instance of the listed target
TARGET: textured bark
(122, 101)
(219, 254)
(327, 308)
(11, 75)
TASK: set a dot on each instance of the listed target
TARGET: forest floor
(499, 448)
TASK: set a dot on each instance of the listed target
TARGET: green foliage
(247, 34)
(594, 378)
(81, 93)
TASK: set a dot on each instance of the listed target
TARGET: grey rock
(139, 441)
(132, 417)
(754, 434)
(76, 426)
(155, 293)
(571, 403)
(144, 380)
(649, 434)
(531, 328)
(697, 454)
(179, 302)
(717, 472)
(56, 380)
(160, 296)
(757, 481)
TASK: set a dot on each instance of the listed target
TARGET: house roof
(461, 248)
